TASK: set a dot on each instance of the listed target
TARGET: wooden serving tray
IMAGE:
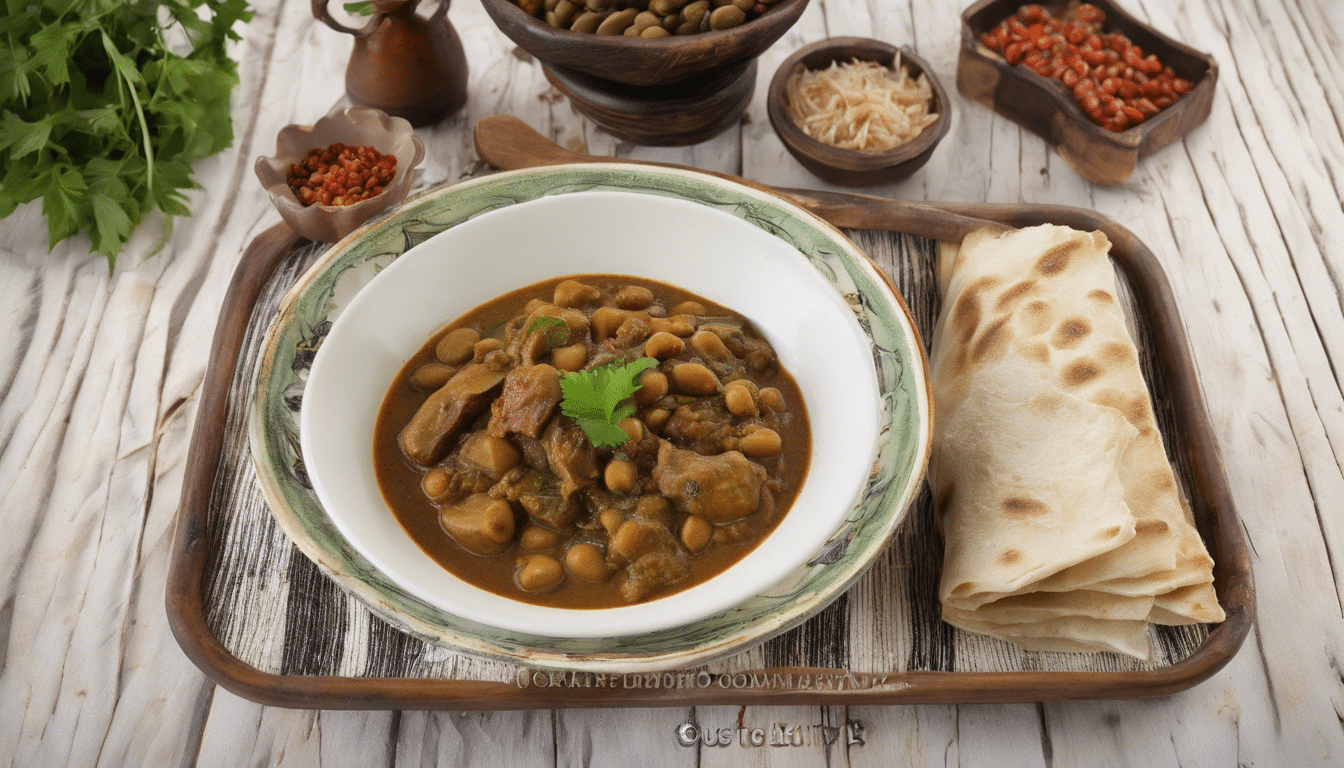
(261, 620)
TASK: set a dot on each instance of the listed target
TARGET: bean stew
(485, 455)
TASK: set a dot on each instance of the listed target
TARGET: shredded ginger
(860, 105)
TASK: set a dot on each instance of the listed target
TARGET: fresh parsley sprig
(105, 104)
(598, 398)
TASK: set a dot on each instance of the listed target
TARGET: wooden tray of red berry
(1100, 86)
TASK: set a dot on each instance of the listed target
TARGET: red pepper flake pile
(341, 175)
(1115, 84)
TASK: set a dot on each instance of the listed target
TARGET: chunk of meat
(459, 479)
(755, 352)
(630, 334)
(531, 334)
(539, 495)
(550, 509)
(571, 455)
(428, 435)
(720, 488)
(658, 569)
(635, 538)
(527, 402)
(652, 557)
(722, 357)
(534, 453)
(700, 424)
(760, 358)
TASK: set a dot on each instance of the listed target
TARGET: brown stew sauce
(688, 457)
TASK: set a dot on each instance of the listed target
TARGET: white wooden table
(100, 377)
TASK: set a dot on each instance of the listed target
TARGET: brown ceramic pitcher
(404, 64)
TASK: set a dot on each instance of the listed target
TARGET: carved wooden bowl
(852, 167)
(666, 91)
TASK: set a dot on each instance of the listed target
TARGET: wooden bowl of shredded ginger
(858, 112)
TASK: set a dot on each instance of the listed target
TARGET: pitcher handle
(320, 13)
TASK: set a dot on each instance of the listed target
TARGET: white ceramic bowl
(711, 253)
(329, 287)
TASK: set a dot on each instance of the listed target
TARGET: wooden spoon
(508, 143)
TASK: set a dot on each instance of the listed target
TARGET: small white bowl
(357, 126)
(709, 252)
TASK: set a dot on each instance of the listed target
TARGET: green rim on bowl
(319, 296)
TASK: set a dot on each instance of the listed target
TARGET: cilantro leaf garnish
(553, 329)
(598, 398)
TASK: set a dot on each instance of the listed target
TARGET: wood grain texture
(100, 377)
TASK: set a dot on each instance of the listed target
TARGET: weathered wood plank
(99, 374)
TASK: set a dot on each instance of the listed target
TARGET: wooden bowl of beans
(329, 178)
(660, 72)
(1100, 86)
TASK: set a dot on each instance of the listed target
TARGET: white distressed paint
(99, 382)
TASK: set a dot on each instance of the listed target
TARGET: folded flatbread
(1063, 525)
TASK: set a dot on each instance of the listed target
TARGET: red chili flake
(341, 174)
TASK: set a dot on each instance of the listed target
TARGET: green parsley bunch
(105, 105)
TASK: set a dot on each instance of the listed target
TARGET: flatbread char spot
(991, 341)
(1071, 333)
(966, 316)
(1011, 295)
(1019, 506)
(1036, 317)
(1080, 372)
(1056, 259)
